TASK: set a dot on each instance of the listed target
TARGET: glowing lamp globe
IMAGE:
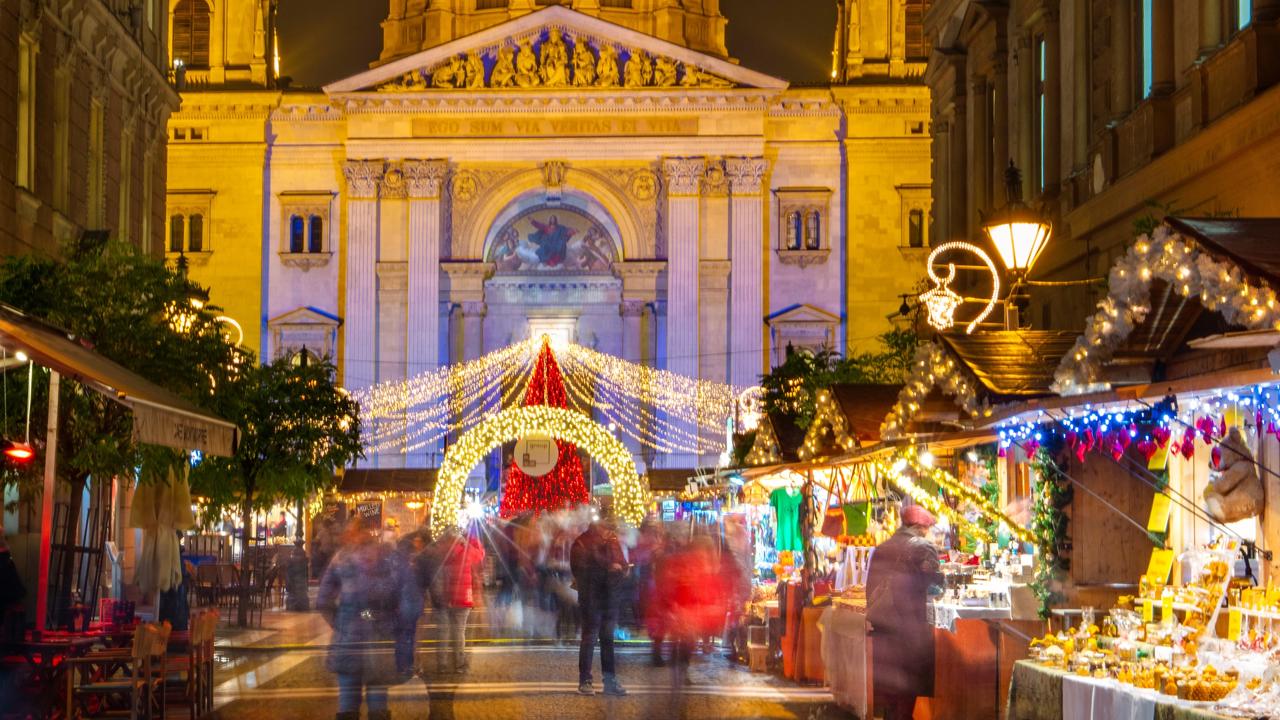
(1018, 233)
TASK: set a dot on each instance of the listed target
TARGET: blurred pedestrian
(459, 558)
(366, 596)
(12, 595)
(694, 598)
(597, 563)
(649, 551)
(902, 571)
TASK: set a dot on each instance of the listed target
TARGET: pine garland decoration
(1049, 523)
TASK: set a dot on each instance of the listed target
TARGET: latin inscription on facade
(561, 126)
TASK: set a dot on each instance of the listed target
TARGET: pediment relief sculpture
(556, 59)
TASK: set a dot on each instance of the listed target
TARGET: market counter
(1041, 693)
(974, 664)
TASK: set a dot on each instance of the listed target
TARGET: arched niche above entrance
(573, 235)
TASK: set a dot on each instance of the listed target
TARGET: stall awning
(388, 480)
(1248, 242)
(160, 417)
(1012, 362)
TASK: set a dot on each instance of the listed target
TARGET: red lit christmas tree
(563, 487)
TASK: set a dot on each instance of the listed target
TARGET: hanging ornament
(1162, 435)
(1215, 458)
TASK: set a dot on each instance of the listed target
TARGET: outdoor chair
(185, 676)
(110, 684)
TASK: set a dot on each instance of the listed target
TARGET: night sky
(326, 40)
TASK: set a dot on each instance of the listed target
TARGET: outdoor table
(1041, 693)
(44, 659)
(945, 615)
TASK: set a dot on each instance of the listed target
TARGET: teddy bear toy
(1236, 492)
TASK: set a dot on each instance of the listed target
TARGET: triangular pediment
(555, 49)
(305, 316)
(802, 313)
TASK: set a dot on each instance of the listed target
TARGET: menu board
(370, 511)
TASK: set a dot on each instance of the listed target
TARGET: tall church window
(177, 233)
(1146, 47)
(1041, 107)
(794, 236)
(191, 33)
(297, 234)
(915, 228)
(917, 45)
(813, 230)
(195, 233)
(26, 114)
(1242, 16)
(315, 241)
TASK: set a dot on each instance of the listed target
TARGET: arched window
(315, 241)
(813, 230)
(303, 357)
(297, 234)
(794, 236)
(176, 232)
(195, 233)
(191, 33)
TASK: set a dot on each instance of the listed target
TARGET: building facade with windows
(598, 170)
(1113, 111)
(86, 101)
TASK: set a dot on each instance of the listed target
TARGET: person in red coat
(693, 593)
(460, 557)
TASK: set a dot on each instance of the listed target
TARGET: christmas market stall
(1161, 459)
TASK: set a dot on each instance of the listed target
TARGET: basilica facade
(599, 171)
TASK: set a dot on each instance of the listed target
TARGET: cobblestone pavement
(279, 672)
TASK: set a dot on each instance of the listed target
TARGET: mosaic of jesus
(559, 239)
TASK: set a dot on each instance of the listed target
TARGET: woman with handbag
(367, 594)
(903, 569)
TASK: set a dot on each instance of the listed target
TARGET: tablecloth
(1039, 693)
(944, 615)
(844, 653)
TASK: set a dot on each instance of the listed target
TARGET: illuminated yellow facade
(627, 189)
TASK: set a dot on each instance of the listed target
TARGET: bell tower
(232, 42)
(415, 25)
(879, 39)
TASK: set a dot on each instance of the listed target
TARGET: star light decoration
(942, 302)
(1220, 285)
(932, 367)
(630, 495)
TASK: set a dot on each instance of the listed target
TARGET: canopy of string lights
(655, 408)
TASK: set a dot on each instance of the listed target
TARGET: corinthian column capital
(425, 178)
(745, 174)
(363, 178)
(683, 175)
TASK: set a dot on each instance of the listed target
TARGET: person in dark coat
(367, 595)
(903, 569)
(597, 563)
(12, 592)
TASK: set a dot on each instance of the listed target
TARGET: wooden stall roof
(865, 407)
(668, 480)
(374, 480)
(1250, 243)
(1012, 363)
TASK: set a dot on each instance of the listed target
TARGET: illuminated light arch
(630, 496)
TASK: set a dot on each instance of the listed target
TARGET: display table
(945, 615)
(847, 656)
(1040, 693)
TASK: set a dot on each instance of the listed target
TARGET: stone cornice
(467, 268)
(489, 101)
(637, 268)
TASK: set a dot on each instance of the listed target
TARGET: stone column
(473, 329)
(746, 275)
(977, 183)
(1162, 69)
(360, 300)
(683, 179)
(423, 180)
(1000, 119)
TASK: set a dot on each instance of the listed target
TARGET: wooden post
(46, 505)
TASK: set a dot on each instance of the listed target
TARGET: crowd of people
(558, 577)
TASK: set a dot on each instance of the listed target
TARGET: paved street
(279, 672)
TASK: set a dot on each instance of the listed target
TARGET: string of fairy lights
(657, 409)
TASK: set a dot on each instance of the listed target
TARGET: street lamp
(1018, 233)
